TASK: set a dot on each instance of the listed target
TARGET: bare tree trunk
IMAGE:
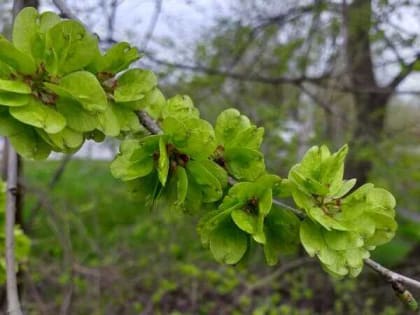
(370, 99)
(13, 304)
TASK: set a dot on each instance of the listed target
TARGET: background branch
(152, 25)
(14, 307)
(65, 10)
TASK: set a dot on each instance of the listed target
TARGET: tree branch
(147, 122)
(395, 279)
(152, 25)
(392, 276)
(12, 181)
(405, 71)
(238, 76)
(65, 10)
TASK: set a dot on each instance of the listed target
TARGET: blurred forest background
(310, 72)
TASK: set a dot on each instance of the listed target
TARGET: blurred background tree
(310, 72)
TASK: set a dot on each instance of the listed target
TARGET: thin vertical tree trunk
(13, 303)
(370, 99)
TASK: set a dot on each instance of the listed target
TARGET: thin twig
(14, 307)
(65, 10)
(283, 205)
(147, 122)
(152, 25)
(398, 283)
(235, 75)
(111, 17)
(392, 276)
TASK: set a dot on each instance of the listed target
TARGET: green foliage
(341, 227)
(239, 145)
(247, 212)
(57, 89)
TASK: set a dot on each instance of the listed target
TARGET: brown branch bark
(238, 76)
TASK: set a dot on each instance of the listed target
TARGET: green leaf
(311, 238)
(209, 221)
(154, 102)
(39, 115)
(85, 88)
(180, 107)
(265, 202)
(181, 185)
(13, 99)
(23, 138)
(382, 199)
(307, 184)
(246, 221)
(342, 190)
(133, 84)
(282, 234)
(76, 116)
(250, 138)
(127, 118)
(244, 163)
(135, 159)
(385, 227)
(309, 167)
(128, 170)
(342, 240)
(208, 183)
(192, 136)
(194, 199)
(116, 59)
(228, 124)
(5, 70)
(146, 190)
(218, 171)
(29, 31)
(163, 162)
(327, 221)
(66, 140)
(249, 203)
(47, 20)
(332, 168)
(303, 200)
(108, 122)
(25, 29)
(227, 243)
(70, 47)
(14, 86)
(16, 59)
